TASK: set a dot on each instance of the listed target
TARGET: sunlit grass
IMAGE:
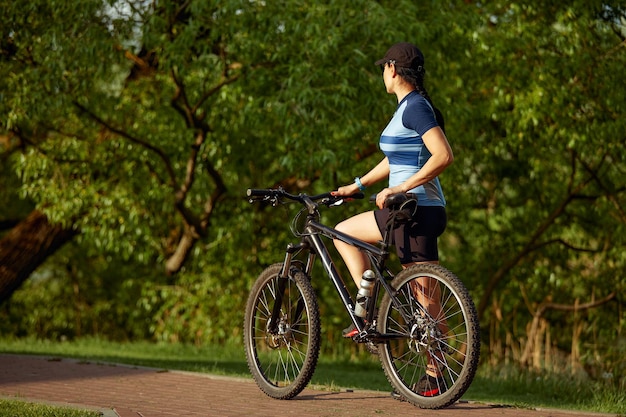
(528, 389)
(13, 408)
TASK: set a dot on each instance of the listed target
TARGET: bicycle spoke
(435, 315)
(282, 333)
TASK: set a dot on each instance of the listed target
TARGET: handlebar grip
(253, 192)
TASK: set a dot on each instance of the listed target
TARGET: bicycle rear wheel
(432, 325)
(282, 353)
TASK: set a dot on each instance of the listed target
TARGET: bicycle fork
(283, 279)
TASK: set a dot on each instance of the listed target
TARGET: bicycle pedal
(365, 336)
(362, 336)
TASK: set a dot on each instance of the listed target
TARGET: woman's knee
(341, 226)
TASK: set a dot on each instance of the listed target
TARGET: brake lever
(273, 200)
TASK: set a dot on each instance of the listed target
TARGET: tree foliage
(141, 124)
(544, 173)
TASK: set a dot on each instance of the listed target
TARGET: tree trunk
(175, 262)
(26, 247)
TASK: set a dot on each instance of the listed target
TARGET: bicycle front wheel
(432, 329)
(282, 332)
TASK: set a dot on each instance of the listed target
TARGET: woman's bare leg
(362, 226)
(428, 293)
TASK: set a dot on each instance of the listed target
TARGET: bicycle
(282, 319)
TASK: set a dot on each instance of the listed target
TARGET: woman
(416, 152)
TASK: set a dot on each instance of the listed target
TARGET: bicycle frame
(313, 243)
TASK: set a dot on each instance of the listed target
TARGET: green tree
(139, 125)
(541, 211)
(135, 135)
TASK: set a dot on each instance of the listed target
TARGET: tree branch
(214, 90)
(195, 226)
(610, 194)
(181, 104)
(161, 154)
(184, 109)
(499, 275)
(540, 311)
(573, 307)
(564, 243)
(181, 193)
(220, 189)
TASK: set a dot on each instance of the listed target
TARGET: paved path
(125, 391)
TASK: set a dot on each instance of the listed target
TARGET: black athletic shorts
(416, 241)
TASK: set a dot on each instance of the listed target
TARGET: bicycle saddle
(402, 205)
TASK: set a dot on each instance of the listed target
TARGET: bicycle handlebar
(310, 201)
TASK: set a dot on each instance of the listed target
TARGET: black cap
(403, 54)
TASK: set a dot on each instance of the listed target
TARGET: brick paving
(126, 391)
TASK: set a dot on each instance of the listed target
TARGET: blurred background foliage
(140, 124)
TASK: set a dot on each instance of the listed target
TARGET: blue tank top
(402, 143)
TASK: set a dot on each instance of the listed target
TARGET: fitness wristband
(359, 184)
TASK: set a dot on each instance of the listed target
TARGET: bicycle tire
(451, 340)
(282, 360)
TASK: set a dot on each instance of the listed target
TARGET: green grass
(525, 389)
(12, 408)
(506, 386)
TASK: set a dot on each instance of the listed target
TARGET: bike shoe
(427, 386)
(350, 331)
(430, 386)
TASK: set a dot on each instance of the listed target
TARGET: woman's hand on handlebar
(346, 190)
